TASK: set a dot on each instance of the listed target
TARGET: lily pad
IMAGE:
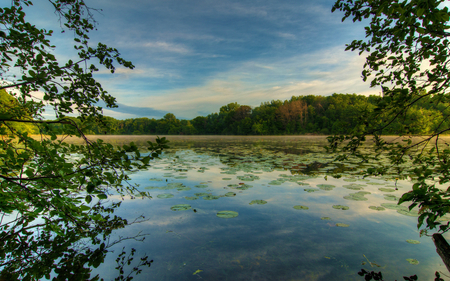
(309, 190)
(227, 214)
(226, 179)
(386, 189)
(391, 197)
(229, 194)
(244, 186)
(200, 194)
(354, 186)
(165, 195)
(342, 224)
(410, 241)
(408, 213)
(326, 186)
(180, 207)
(210, 197)
(377, 208)
(413, 261)
(341, 207)
(191, 197)
(248, 177)
(155, 179)
(357, 196)
(325, 218)
(201, 185)
(300, 207)
(259, 202)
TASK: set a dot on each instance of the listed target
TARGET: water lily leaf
(326, 186)
(386, 189)
(210, 197)
(408, 213)
(191, 197)
(180, 207)
(377, 208)
(300, 207)
(259, 202)
(200, 194)
(248, 177)
(226, 179)
(201, 186)
(165, 195)
(413, 261)
(229, 194)
(341, 207)
(410, 241)
(155, 179)
(325, 218)
(342, 224)
(357, 196)
(227, 214)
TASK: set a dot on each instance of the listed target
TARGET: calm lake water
(290, 219)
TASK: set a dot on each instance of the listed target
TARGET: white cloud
(322, 73)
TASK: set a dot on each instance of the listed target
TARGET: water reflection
(272, 241)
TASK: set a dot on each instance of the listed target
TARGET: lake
(268, 208)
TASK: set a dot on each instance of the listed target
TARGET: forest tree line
(335, 114)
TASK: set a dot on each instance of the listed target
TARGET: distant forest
(335, 114)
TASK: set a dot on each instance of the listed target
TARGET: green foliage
(407, 55)
(54, 217)
(335, 114)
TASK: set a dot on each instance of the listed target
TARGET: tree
(54, 219)
(408, 53)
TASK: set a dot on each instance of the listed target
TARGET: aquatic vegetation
(326, 187)
(210, 197)
(190, 197)
(377, 208)
(342, 224)
(180, 207)
(229, 194)
(309, 190)
(325, 218)
(340, 207)
(358, 196)
(155, 179)
(165, 195)
(413, 261)
(200, 194)
(248, 177)
(386, 189)
(227, 214)
(259, 202)
(201, 185)
(300, 207)
(354, 186)
(410, 241)
(391, 197)
(244, 186)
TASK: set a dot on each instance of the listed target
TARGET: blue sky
(192, 57)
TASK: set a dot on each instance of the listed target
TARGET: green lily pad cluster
(326, 187)
(357, 196)
(300, 207)
(340, 207)
(342, 224)
(180, 207)
(165, 195)
(377, 208)
(309, 190)
(227, 214)
(259, 202)
(248, 177)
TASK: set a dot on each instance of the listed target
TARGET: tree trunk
(442, 248)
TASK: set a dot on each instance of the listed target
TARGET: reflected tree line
(335, 114)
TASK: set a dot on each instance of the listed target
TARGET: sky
(192, 57)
